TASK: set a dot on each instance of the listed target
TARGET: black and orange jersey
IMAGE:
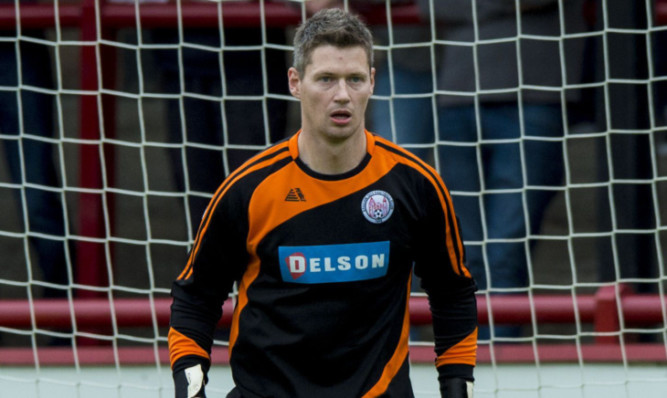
(323, 265)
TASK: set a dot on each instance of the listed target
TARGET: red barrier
(99, 314)
(199, 14)
(637, 310)
(94, 312)
(506, 353)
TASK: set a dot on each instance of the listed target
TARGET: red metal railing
(200, 14)
(606, 311)
(603, 310)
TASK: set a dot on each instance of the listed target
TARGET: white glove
(195, 377)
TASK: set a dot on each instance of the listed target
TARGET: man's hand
(190, 383)
(456, 387)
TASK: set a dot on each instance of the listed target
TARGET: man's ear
(294, 82)
(372, 76)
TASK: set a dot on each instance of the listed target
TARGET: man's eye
(325, 79)
(355, 79)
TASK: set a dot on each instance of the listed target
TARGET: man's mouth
(341, 116)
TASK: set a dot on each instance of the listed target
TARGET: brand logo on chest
(334, 263)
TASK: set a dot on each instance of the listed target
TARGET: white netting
(119, 118)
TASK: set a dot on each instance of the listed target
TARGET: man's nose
(342, 91)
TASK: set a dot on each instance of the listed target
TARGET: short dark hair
(331, 26)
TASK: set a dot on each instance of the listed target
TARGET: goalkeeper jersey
(323, 266)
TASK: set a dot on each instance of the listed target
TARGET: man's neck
(332, 158)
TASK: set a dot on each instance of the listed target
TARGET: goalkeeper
(321, 233)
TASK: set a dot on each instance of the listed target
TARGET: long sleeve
(449, 285)
(217, 259)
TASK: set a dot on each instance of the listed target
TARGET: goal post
(101, 203)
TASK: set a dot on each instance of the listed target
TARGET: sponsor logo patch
(334, 263)
(377, 206)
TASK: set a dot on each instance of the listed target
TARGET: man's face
(334, 91)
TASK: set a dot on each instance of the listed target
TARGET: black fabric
(454, 388)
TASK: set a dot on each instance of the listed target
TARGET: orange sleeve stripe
(181, 345)
(454, 242)
(242, 299)
(397, 359)
(255, 163)
(465, 352)
(453, 230)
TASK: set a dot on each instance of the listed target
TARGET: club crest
(377, 206)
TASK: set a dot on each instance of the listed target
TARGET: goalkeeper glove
(190, 382)
(456, 387)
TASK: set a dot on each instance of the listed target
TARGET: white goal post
(118, 118)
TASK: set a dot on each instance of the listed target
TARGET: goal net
(546, 119)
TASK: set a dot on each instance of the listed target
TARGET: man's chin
(342, 134)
